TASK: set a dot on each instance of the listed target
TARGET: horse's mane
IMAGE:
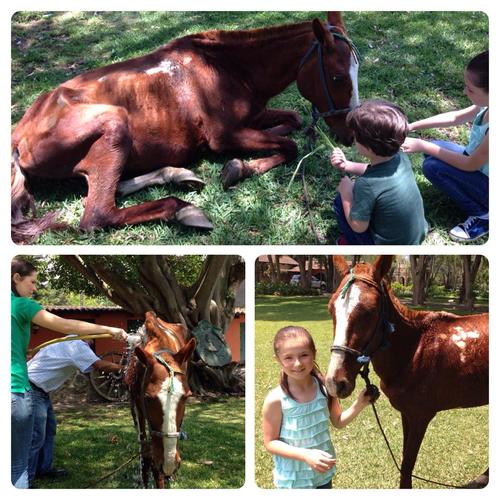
(413, 316)
(253, 37)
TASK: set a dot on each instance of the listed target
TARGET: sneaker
(342, 240)
(470, 230)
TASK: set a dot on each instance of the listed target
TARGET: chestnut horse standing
(427, 361)
(157, 379)
(147, 117)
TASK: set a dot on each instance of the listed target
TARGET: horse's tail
(26, 228)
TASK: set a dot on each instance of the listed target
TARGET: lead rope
(373, 388)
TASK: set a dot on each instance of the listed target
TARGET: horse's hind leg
(103, 166)
(175, 175)
(250, 140)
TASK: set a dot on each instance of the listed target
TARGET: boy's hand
(319, 460)
(338, 160)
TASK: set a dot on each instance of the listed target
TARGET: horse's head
(328, 76)
(356, 308)
(165, 388)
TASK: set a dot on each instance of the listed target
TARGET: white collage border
(249, 253)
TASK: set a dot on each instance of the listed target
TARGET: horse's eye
(338, 78)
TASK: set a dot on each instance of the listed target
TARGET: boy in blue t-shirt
(383, 206)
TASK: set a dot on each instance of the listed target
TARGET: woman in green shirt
(25, 311)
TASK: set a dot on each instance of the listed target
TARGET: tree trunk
(470, 270)
(420, 276)
(211, 297)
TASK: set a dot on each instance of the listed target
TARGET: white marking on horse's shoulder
(165, 66)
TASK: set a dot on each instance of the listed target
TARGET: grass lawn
(413, 58)
(455, 448)
(95, 440)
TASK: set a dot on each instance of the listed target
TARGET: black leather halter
(379, 339)
(316, 46)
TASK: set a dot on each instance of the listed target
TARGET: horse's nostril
(342, 388)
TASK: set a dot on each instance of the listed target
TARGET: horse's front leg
(250, 141)
(159, 478)
(277, 121)
(145, 448)
(413, 435)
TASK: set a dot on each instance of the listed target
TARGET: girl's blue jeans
(469, 190)
(21, 422)
(352, 237)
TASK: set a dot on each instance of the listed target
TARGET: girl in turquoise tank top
(462, 173)
(296, 415)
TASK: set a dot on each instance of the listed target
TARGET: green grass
(455, 448)
(95, 441)
(413, 58)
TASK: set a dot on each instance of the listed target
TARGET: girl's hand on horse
(412, 145)
(319, 460)
(369, 395)
(338, 159)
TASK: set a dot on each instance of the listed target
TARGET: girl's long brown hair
(293, 332)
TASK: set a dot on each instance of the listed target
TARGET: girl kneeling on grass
(296, 415)
(462, 173)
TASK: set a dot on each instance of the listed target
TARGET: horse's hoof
(477, 483)
(184, 177)
(193, 217)
(232, 173)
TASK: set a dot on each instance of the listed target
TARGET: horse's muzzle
(339, 388)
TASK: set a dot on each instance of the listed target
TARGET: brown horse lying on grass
(427, 361)
(200, 93)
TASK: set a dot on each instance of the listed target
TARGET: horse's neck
(269, 56)
(402, 343)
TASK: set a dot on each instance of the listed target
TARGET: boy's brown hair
(378, 125)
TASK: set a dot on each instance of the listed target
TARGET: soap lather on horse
(142, 121)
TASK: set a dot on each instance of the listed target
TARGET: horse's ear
(335, 19)
(144, 357)
(186, 352)
(320, 32)
(381, 267)
(340, 265)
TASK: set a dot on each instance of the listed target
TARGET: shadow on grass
(94, 440)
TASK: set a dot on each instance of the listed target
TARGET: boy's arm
(345, 189)
(339, 161)
(448, 119)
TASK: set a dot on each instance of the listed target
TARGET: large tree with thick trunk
(179, 289)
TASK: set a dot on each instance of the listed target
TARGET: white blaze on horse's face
(353, 73)
(169, 400)
(343, 309)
